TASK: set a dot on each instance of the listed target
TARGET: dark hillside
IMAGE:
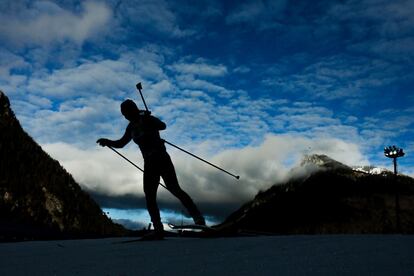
(38, 197)
(334, 199)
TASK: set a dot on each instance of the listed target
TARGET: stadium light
(394, 153)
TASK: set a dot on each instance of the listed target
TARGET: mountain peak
(322, 161)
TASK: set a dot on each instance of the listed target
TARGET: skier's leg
(151, 180)
(170, 179)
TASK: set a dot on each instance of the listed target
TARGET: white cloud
(106, 77)
(79, 121)
(380, 12)
(398, 50)
(192, 82)
(151, 17)
(199, 68)
(44, 22)
(242, 69)
(246, 12)
(337, 77)
(383, 28)
(11, 65)
(97, 169)
(113, 78)
(9, 61)
(80, 102)
(259, 13)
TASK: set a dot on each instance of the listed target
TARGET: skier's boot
(156, 235)
(199, 220)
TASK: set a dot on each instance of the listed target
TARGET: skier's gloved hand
(103, 142)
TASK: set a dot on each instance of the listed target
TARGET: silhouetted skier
(144, 130)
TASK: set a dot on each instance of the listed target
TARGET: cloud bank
(44, 22)
(259, 167)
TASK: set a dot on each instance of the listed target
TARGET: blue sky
(250, 85)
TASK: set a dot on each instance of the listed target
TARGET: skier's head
(129, 109)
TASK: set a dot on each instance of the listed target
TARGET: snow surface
(264, 255)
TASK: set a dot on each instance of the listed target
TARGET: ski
(191, 227)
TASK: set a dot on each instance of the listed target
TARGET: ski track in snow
(263, 255)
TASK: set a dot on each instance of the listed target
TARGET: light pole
(395, 152)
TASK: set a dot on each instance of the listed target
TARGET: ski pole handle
(139, 87)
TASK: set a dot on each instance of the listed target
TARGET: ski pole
(132, 163)
(139, 87)
(201, 159)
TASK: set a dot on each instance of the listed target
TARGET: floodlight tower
(395, 152)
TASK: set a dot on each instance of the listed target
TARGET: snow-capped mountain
(330, 198)
(322, 161)
(370, 169)
(325, 162)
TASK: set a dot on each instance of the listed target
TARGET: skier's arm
(125, 139)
